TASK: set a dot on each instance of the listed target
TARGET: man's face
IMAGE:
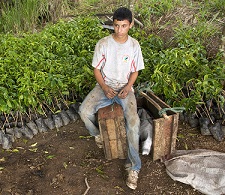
(121, 28)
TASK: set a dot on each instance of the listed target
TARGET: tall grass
(154, 7)
(98, 6)
(217, 5)
(26, 15)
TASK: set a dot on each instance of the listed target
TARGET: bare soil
(67, 161)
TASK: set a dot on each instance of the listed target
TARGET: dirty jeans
(95, 100)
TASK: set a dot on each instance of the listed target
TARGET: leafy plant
(47, 69)
(182, 75)
(42, 70)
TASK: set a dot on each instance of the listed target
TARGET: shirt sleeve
(99, 56)
(138, 63)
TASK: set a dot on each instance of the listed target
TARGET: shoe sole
(99, 146)
(131, 186)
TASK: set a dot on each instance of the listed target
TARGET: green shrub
(44, 68)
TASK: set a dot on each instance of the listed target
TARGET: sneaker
(98, 141)
(127, 167)
(132, 179)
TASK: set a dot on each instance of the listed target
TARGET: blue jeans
(95, 100)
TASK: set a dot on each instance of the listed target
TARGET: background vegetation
(46, 49)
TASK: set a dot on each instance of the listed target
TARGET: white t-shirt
(117, 61)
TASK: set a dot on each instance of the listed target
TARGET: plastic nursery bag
(203, 169)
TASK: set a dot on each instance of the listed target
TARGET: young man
(117, 60)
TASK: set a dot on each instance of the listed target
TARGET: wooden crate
(113, 132)
(164, 127)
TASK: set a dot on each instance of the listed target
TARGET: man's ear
(131, 24)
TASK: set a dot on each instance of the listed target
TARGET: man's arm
(109, 92)
(124, 92)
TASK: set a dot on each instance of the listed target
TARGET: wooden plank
(105, 138)
(121, 137)
(158, 139)
(167, 131)
(110, 112)
(174, 129)
(110, 125)
(121, 154)
(119, 110)
(113, 146)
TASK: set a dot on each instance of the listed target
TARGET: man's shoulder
(104, 39)
(134, 41)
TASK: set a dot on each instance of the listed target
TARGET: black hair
(122, 13)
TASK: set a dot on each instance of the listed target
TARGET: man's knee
(82, 112)
(133, 121)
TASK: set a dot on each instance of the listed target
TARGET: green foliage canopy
(47, 67)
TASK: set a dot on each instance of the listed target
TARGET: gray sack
(203, 169)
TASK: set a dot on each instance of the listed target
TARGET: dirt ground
(67, 161)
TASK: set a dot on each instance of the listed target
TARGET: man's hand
(124, 92)
(109, 92)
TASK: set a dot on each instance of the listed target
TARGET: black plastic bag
(33, 127)
(57, 120)
(41, 125)
(65, 118)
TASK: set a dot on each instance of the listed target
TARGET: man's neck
(120, 39)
